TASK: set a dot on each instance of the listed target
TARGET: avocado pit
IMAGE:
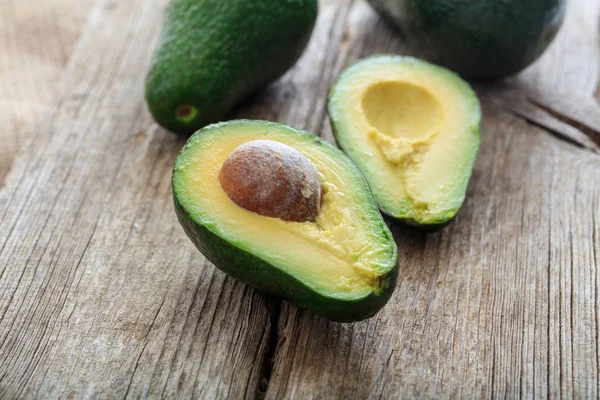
(272, 179)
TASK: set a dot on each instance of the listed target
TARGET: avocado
(477, 38)
(336, 258)
(213, 53)
(413, 129)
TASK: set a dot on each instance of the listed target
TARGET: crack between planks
(592, 133)
(553, 122)
(274, 338)
(273, 343)
(577, 142)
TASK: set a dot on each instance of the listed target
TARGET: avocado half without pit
(287, 213)
(413, 129)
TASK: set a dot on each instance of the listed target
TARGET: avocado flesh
(341, 266)
(213, 53)
(413, 129)
(477, 38)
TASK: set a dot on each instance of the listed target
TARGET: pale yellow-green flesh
(414, 132)
(339, 253)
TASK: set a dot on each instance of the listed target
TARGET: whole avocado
(213, 53)
(477, 38)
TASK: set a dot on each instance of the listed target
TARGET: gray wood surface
(103, 296)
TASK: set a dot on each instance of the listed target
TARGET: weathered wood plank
(504, 302)
(101, 293)
(36, 40)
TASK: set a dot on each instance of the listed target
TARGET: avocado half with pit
(237, 189)
(413, 129)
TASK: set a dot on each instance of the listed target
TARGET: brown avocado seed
(272, 179)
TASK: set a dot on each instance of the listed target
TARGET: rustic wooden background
(103, 296)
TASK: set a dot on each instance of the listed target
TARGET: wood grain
(36, 40)
(504, 302)
(103, 296)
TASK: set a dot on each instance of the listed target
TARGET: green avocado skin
(256, 272)
(415, 225)
(263, 276)
(213, 53)
(477, 38)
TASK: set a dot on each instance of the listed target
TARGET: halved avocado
(413, 129)
(342, 265)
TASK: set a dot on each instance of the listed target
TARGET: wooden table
(103, 296)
